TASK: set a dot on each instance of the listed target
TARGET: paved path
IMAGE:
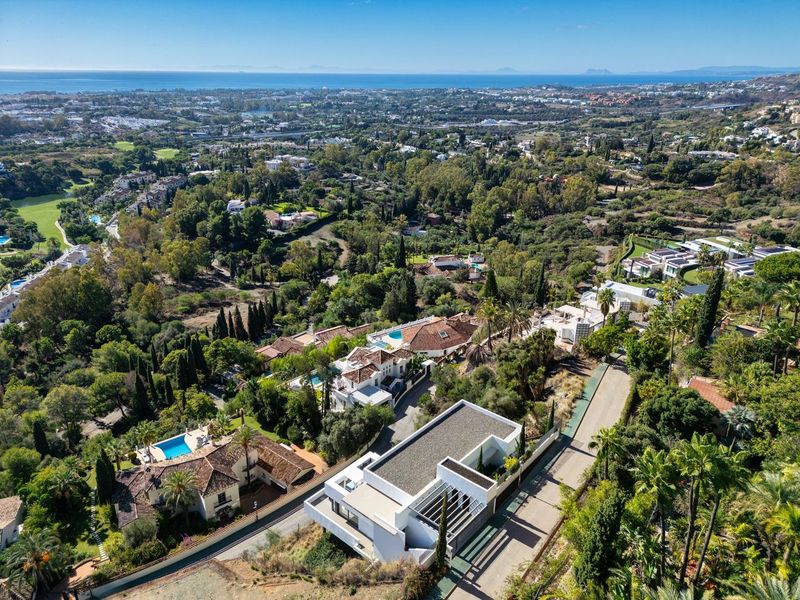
(538, 514)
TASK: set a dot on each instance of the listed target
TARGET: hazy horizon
(377, 36)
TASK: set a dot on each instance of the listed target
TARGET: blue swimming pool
(96, 219)
(315, 380)
(396, 334)
(4, 239)
(174, 447)
(16, 283)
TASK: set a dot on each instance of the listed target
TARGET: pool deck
(192, 439)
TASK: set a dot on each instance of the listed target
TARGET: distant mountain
(598, 72)
(507, 70)
(736, 70)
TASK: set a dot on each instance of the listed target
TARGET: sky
(398, 36)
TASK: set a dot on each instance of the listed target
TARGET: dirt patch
(326, 233)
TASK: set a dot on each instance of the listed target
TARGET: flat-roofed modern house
(388, 507)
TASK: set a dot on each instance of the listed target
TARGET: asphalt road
(538, 515)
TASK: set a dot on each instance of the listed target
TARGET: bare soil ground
(326, 233)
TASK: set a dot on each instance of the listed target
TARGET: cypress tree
(154, 358)
(183, 372)
(274, 301)
(540, 297)
(169, 395)
(152, 387)
(40, 442)
(268, 316)
(199, 358)
(104, 477)
(238, 324)
(490, 287)
(651, 144)
(551, 420)
(231, 327)
(252, 324)
(320, 263)
(479, 466)
(191, 368)
(400, 259)
(141, 406)
(521, 442)
(221, 326)
(708, 311)
(441, 541)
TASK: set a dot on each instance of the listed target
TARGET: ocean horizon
(17, 82)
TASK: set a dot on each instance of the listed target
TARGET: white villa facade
(388, 507)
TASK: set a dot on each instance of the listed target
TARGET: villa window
(221, 498)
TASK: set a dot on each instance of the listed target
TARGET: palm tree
(673, 322)
(768, 588)
(695, 459)
(607, 440)
(785, 522)
(517, 318)
(670, 591)
(763, 293)
(219, 426)
(656, 475)
(180, 491)
(244, 438)
(489, 312)
(36, 561)
(606, 298)
(117, 449)
(726, 474)
(146, 435)
(740, 421)
(781, 337)
(476, 355)
(65, 486)
(790, 295)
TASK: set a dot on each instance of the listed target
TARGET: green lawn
(124, 146)
(639, 251)
(43, 210)
(74, 186)
(166, 153)
(691, 276)
(253, 423)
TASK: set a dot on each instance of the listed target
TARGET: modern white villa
(370, 376)
(388, 507)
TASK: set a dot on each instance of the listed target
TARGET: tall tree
(245, 438)
(104, 473)
(656, 475)
(400, 259)
(490, 287)
(221, 326)
(180, 491)
(238, 325)
(707, 318)
(40, 442)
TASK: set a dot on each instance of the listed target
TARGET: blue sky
(404, 36)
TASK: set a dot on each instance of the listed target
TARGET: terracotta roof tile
(709, 391)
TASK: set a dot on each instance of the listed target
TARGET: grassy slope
(124, 146)
(44, 211)
(166, 153)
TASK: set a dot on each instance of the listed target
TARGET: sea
(16, 82)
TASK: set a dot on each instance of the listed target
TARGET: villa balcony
(226, 502)
(320, 509)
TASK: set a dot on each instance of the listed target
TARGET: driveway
(406, 412)
(538, 514)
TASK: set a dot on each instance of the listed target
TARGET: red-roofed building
(709, 391)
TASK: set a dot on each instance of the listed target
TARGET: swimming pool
(96, 219)
(4, 239)
(174, 447)
(396, 334)
(16, 283)
(315, 380)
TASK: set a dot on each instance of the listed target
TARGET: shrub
(140, 531)
(326, 554)
(511, 463)
(417, 583)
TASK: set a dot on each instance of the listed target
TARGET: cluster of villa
(301, 163)
(388, 507)
(671, 262)
(379, 372)
(220, 470)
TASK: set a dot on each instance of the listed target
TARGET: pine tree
(40, 442)
(169, 395)
(441, 541)
(238, 324)
(708, 311)
(490, 287)
(400, 259)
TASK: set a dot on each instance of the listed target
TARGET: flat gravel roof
(412, 466)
